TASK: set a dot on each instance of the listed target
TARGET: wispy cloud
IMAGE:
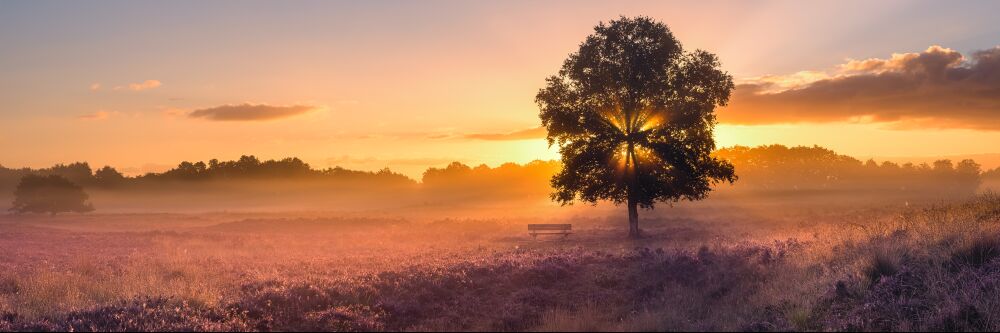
(140, 86)
(250, 112)
(527, 134)
(99, 115)
(347, 160)
(935, 88)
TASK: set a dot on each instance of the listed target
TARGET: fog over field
(720, 265)
(772, 174)
(786, 247)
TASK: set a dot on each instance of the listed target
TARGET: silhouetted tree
(78, 172)
(968, 167)
(508, 181)
(108, 176)
(887, 165)
(49, 194)
(633, 115)
(943, 166)
(995, 173)
(968, 173)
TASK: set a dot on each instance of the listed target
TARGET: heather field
(499, 166)
(712, 266)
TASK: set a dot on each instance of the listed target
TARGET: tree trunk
(633, 219)
(633, 206)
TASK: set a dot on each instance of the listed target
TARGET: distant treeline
(245, 168)
(529, 180)
(763, 168)
(781, 168)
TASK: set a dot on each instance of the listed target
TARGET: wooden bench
(550, 229)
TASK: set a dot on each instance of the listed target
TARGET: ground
(719, 266)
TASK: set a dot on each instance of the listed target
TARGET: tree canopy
(632, 114)
(51, 194)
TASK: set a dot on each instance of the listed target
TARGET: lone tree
(51, 194)
(633, 114)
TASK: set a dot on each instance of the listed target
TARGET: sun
(632, 129)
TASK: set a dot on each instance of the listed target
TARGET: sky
(142, 85)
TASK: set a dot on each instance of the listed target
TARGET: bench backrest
(550, 226)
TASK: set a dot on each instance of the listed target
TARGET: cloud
(148, 84)
(420, 161)
(936, 88)
(172, 111)
(440, 136)
(934, 60)
(99, 115)
(140, 86)
(250, 112)
(779, 83)
(348, 160)
(531, 133)
(369, 161)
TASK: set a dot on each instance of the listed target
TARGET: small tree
(51, 194)
(108, 177)
(633, 114)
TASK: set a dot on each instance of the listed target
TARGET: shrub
(979, 252)
(49, 194)
(882, 263)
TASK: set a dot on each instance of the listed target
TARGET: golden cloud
(936, 88)
(527, 134)
(140, 86)
(99, 115)
(250, 112)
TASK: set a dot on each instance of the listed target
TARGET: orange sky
(412, 85)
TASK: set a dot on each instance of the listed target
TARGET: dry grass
(889, 268)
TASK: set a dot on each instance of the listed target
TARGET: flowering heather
(930, 267)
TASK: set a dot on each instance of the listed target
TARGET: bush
(979, 252)
(49, 194)
(882, 264)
